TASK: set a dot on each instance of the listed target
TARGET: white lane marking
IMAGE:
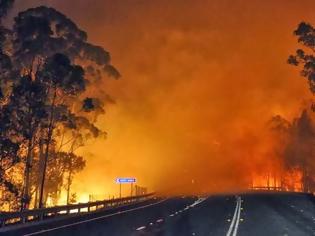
(141, 228)
(200, 200)
(233, 219)
(159, 221)
(93, 219)
(195, 203)
(236, 218)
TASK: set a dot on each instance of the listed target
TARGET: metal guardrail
(9, 218)
(267, 188)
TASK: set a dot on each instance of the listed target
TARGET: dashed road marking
(200, 200)
(141, 228)
(93, 219)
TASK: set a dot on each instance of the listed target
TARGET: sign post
(121, 181)
(120, 190)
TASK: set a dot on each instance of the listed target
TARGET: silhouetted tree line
(49, 103)
(305, 58)
(297, 138)
(295, 150)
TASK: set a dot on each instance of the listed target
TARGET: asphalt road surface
(252, 214)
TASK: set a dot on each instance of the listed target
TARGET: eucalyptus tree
(27, 101)
(49, 47)
(304, 57)
(10, 139)
(303, 127)
(47, 69)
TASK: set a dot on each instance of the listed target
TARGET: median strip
(236, 218)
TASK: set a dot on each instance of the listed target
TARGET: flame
(289, 181)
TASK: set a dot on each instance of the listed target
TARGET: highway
(263, 213)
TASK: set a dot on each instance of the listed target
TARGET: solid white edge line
(93, 219)
(234, 218)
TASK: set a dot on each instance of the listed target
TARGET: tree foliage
(305, 34)
(47, 69)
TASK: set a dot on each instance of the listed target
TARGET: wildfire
(289, 181)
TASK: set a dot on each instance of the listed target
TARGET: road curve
(250, 214)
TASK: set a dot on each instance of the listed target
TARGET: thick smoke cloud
(200, 80)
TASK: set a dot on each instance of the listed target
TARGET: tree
(27, 101)
(72, 164)
(299, 152)
(305, 58)
(9, 137)
(61, 79)
(306, 36)
(42, 32)
(280, 133)
(5, 5)
(47, 67)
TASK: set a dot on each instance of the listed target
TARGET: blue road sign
(125, 180)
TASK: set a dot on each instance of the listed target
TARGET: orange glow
(200, 79)
(266, 182)
(290, 181)
(293, 181)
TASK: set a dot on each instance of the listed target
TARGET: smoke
(199, 81)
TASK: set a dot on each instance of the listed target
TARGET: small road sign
(125, 180)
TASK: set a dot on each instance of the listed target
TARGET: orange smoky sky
(200, 79)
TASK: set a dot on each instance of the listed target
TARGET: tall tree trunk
(40, 170)
(268, 181)
(27, 171)
(305, 180)
(36, 197)
(69, 182)
(49, 138)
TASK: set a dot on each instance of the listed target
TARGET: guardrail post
(41, 215)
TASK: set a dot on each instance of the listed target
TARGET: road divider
(236, 218)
